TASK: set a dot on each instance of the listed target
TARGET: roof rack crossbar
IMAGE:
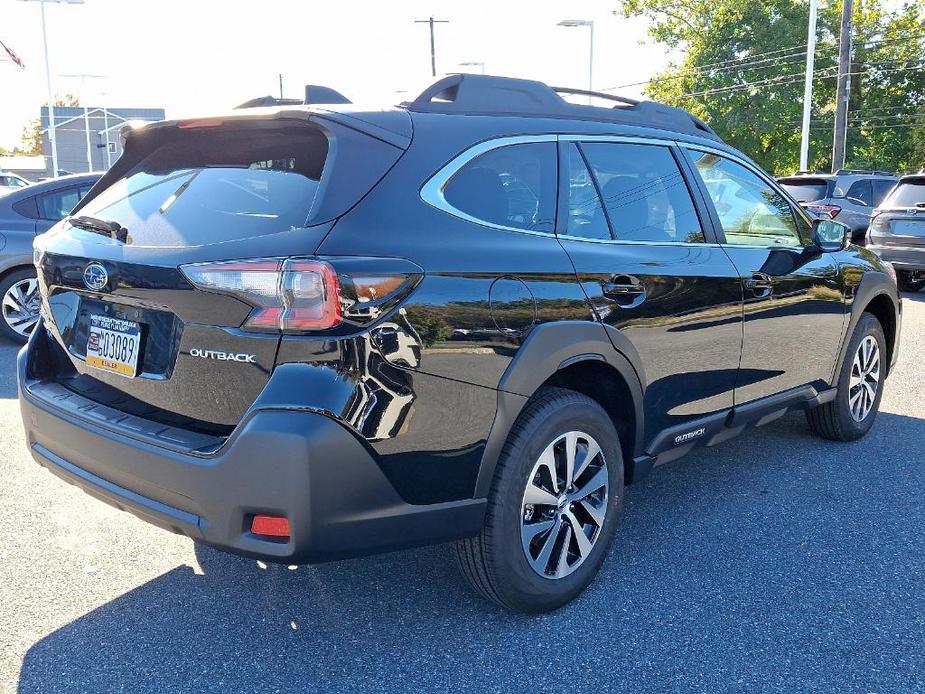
(601, 95)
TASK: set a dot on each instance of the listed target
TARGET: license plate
(112, 345)
(908, 227)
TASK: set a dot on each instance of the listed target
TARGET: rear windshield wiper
(104, 227)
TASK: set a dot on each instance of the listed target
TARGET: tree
(31, 140)
(743, 74)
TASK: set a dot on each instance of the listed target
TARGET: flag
(13, 56)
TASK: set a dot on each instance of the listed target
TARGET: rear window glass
(210, 187)
(810, 191)
(907, 194)
(882, 186)
(512, 186)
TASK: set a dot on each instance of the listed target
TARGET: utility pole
(808, 87)
(844, 83)
(433, 55)
(281, 85)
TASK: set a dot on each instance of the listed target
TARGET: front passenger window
(750, 211)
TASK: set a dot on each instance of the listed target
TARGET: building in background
(29, 167)
(104, 126)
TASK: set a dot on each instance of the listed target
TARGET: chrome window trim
(626, 139)
(432, 192)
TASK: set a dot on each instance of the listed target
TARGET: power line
(690, 72)
(789, 78)
(746, 62)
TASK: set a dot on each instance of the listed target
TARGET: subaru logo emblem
(95, 277)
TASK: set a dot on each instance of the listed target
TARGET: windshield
(907, 194)
(808, 191)
(213, 187)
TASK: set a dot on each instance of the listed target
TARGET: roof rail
(861, 172)
(490, 95)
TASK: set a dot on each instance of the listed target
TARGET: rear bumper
(294, 463)
(901, 257)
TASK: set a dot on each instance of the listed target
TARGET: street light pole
(590, 24)
(808, 87)
(433, 54)
(51, 96)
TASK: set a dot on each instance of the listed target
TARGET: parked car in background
(848, 196)
(897, 231)
(28, 211)
(10, 182)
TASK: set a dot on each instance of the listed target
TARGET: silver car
(897, 231)
(25, 212)
(10, 182)
(848, 195)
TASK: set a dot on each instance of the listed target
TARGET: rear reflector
(270, 526)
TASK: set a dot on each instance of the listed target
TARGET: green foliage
(764, 120)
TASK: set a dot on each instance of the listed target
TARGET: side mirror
(830, 235)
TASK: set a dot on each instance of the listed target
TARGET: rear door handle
(626, 291)
(760, 284)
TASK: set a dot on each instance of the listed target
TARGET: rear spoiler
(315, 95)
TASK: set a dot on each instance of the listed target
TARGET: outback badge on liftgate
(223, 356)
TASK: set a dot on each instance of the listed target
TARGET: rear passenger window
(644, 193)
(512, 186)
(586, 218)
(882, 186)
(861, 190)
(57, 205)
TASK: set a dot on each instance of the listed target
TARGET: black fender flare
(547, 349)
(873, 284)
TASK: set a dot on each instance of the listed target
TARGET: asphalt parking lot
(776, 562)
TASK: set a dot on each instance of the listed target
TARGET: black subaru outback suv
(301, 333)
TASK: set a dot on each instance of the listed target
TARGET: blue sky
(201, 56)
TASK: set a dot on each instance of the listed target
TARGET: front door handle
(760, 285)
(628, 292)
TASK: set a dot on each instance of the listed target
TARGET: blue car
(28, 211)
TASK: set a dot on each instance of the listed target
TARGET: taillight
(879, 224)
(831, 210)
(288, 295)
(298, 295)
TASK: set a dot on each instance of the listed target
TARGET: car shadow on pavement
(773, 562)
(8, 352)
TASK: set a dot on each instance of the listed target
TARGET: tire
(495, 562)
(839, 420)
(907, 281)
(19, 305)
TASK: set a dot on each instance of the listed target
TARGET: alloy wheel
(865, 379)
(564, 505)
(21, 305)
